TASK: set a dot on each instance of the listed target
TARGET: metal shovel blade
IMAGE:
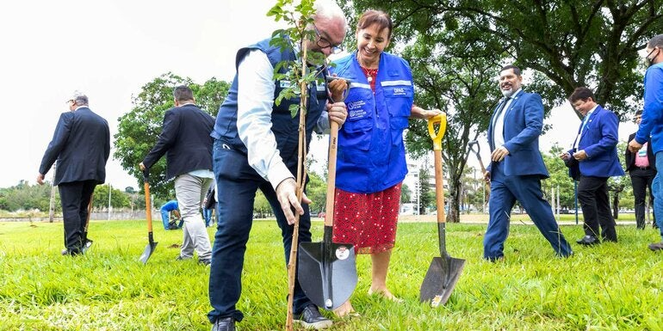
(327, 272)
(440, 280)
(149, 249)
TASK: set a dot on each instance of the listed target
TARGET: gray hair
(329, 9)
(656, 41)
(79, 99)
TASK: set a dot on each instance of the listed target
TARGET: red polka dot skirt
(367, 220)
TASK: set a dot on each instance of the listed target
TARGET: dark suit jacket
(523, 121)
(81, 145)
(599, 140)
(629, 157)
(186, 140)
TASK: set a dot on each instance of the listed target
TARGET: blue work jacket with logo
(371, 153)
(284, 126)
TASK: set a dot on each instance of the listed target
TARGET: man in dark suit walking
(595, 150)
(641, 166)
(516, 167)
(187, 144)
(81, 146)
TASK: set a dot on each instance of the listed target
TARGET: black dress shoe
(588, 240)
(224, 324)
(311, 318)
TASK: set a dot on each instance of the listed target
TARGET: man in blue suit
(595, 150)
(188, 147)
(81, 146)
(516, 167)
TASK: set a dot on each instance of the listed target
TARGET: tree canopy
(456, 49)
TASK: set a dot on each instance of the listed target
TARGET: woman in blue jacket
(371, 155)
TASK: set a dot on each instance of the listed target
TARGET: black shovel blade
(327, 273)
(440, 280)
(149, 249)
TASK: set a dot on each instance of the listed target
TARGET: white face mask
(650, 60)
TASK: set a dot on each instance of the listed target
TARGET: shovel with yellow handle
(445, 270)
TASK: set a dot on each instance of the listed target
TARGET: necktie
(498, 113)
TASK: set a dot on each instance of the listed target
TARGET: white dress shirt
(498, 127)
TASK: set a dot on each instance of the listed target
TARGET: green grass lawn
(607, 287)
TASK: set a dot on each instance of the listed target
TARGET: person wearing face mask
(642, 170)
(595, 151)
(651, 125)
(516, 167)
(371, 155)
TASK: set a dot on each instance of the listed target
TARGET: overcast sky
(109, 49)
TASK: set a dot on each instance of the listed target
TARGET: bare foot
(345, 310)
(384, 292)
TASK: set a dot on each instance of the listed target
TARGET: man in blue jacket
(255, 148)
(595, 150)
(81, 145)
(166, 210)
(652, 123)
(517, 167)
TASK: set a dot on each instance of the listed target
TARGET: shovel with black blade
(327, 270)
(445, 270)
(149, 249)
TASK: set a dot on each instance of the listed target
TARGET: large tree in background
(590, 43)
(456, 47)
(139, 129)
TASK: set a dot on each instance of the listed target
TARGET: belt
(644, 168)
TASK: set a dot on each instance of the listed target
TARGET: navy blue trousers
(237, 184)
(74, 198)
(504, 191)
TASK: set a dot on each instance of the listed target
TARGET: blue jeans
(657, 189)
(237, 184)
(165, 218)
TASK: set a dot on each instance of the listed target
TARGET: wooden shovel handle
(439, 187)
(148, 203)
(331, 174)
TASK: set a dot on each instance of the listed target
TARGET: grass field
(607, 287)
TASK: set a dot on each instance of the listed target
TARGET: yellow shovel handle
(437, 137)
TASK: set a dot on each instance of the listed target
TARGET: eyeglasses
(324, 43)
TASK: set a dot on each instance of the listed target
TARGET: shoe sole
(317, 325)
